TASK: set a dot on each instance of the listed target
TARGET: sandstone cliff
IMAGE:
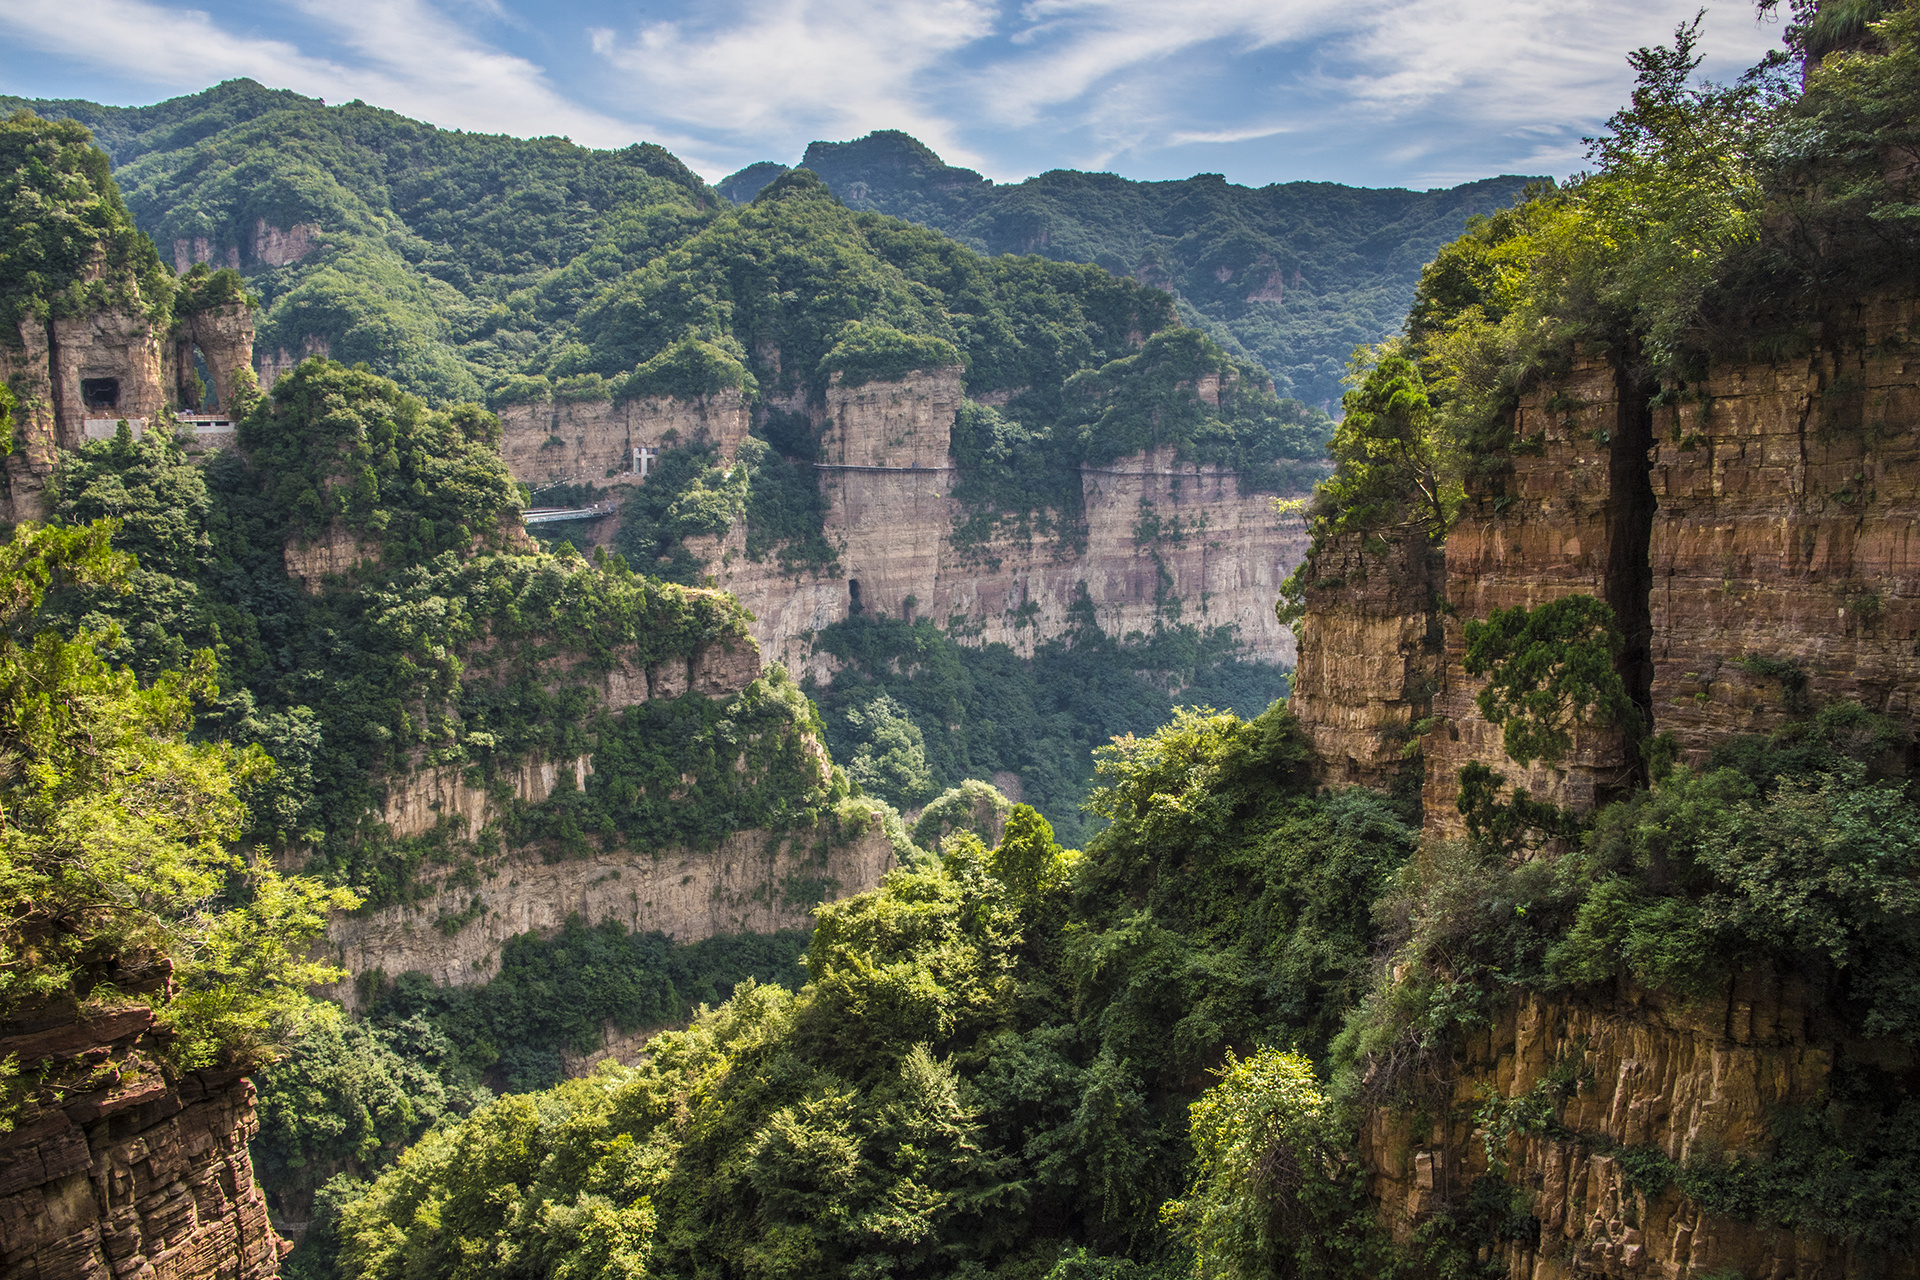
(132, 1171)
(1637, 1072)
(1757, 539)
(888, 481)
(76, 377)
(1370, 654)
(594, 441)
(1755, 535)
(751, 884)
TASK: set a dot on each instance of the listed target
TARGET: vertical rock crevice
(1628, 578)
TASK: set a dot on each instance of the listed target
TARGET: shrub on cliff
(115, 856)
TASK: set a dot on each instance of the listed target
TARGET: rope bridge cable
(1097, 471)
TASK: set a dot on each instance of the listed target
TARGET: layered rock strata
(1371, 648)
(1645, 1072)
(426, 796)
(595, 441)
(750, 884)
(1759, 539)
(133, 1172)
(1215, 556)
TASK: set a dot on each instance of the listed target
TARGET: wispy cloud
(804, 69)
(401, 54)
(1386, 91)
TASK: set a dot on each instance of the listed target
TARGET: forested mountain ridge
(449, 278)
(449, 261)
(1293, 275)
(1641, 1001)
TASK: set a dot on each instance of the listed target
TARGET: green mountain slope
(1293, 275)
(446, 260)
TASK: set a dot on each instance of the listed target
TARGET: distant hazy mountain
(1293, 276)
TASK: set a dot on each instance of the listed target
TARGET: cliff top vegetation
(1290, 277)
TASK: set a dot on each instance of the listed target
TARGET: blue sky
(1416, 93)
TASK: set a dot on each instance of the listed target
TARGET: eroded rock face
(225, 338)
(1777, 548)
(1685, 1079)
(275, 247)
(1371, 648)
(888, 484)
(269, 365)
(742, 887)
(335, 551)
(101, 366)
(1545, 531)
(593, 441)
(426, 796)
(142, 1175)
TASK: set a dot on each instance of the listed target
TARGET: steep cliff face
(1218, 558)
(1545, 530)
(423, 797)
(1755, 536)
(1370, 654)
(75, 378)
(1757, 540)
(593, 441)
(750, 884)
(1641, 1072)
(133, 1172)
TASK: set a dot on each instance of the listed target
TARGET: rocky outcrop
(270, 365)
(334, 552)
(1757, 539)
(76, 377)
(594, 441)
(274, 247)
(1218, 558)
(1371, 647)
(425, 796)
(188, 250)
(1643, 1071)
(224, 336)
(132, 1171)
(750, 884)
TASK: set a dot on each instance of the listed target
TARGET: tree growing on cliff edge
(116, 831)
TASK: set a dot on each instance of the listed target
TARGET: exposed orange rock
(1782, 528)
(131, 1171)
(1688, 1079)
(1370, 654)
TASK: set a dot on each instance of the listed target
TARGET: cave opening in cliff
(853, 596)
(1630, 511)
(100, 393)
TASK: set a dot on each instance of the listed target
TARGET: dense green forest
(1146, 1057)
(453, 261)
(1291, 276)
(1153, 1057)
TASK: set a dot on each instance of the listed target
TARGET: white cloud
(1400, 90)
(406, 55)
(779, 73)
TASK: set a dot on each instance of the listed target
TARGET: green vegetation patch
(922, 712)
(992, 1054)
